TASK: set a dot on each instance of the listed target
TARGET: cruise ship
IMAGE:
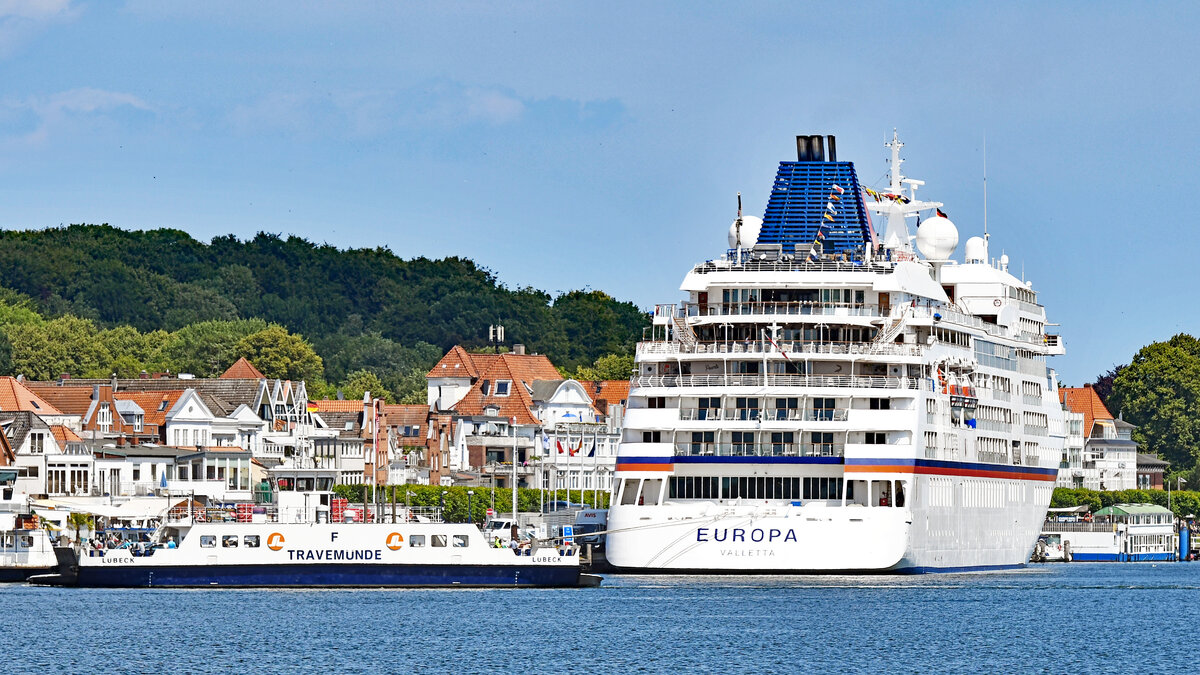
(830, 398)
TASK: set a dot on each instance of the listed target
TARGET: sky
(602, 145)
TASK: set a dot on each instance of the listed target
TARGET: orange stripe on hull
(938, 471)
(644, 467)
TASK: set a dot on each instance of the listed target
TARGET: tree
(278, 353)
(362, 381)
(79, 521)
(68, 344)
(607, 367)
(205, 349)
(1159, 391)
(1104, 383)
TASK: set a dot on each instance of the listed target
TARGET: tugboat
(295, 543)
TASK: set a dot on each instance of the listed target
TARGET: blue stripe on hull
(328, 575)
(11, 574)
(959, 570)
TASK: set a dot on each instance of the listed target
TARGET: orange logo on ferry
(395, 540)
(275, 541)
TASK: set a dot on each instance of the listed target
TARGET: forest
(92, 300)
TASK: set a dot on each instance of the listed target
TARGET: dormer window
(503, 387)
(104, 418)
(491, 410)
(162, 406)
(37, 443)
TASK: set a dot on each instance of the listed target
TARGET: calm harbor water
(1054, 618)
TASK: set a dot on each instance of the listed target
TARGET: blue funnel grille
(797, 206)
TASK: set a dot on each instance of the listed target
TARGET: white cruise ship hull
(816, 538)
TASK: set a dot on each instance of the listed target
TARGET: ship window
(629, 494)
(656, 402)
(651, 491)
(250, 540)
(437, 541)
(876, 438)
(208, 541)
(747, 408)
(881, 404)
(416, 541)
(460, 541)
(822, 488)
(229, 541)
(652, 437)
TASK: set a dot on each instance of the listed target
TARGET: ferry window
(881, 404)
(651, 491)
(208, 541)
(25, 541)
(325, 484)
(656, 402)
(304, 484)
(416, 541)
(229, 541)
(250, 540)
(438, 541)
(876, 438)
(629, 494)
(460, 541)
(652, 437)
(286, 485)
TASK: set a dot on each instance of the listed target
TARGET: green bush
(528, 499)
(1183, 502)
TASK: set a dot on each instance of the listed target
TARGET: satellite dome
(937, 238)
(1004, 261)
(976, 250)
(749, 232)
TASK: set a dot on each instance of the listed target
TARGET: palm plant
(79, 521)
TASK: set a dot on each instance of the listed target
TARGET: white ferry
(828, 399)
(311, 551)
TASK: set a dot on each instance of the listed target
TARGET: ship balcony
(1035, 430)
(764, 415)
(766, 308)
(671, 348)
(760, 449)
(782, 380)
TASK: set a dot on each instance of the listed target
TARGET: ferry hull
(327, 576)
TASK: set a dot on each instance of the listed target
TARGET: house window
(502, 387)
(162, 406)
(37, 444)
(104, 417)
(137, 422)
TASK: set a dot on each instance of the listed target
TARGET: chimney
(143, 375)
(518, 349)
(803, 153)
(120, 441)
(64, 377)
(812, 148)
(95, 392)
(832, 148)
(113, 381)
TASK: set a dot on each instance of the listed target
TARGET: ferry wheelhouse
(829, 399)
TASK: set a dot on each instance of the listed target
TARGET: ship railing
(763, 414)
(1031, 400)
(792, 449)
(1035, 430)
(782, 380)
(785, 346)
(798, 263)
(796, 308)
(993, 425)
(1056, 526)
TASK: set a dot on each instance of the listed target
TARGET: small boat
(1117, 533)
(25, 548)
(294, 545)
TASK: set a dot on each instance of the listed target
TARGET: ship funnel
(812, 148)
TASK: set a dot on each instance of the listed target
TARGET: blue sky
(600, 145)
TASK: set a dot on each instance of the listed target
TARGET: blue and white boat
(1117, 533)
(308, 550)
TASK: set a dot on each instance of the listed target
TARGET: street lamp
(442, 502)
(470, 513)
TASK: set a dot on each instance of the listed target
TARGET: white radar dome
(976, 250)
(747, 235)
(937, 238)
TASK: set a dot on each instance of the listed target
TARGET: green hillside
(179, 302)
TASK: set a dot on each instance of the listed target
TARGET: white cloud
(492, 106)
(21, 20)
(59, 109)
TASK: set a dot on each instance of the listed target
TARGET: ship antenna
(738, 222)
(986, 236)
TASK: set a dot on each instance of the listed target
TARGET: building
(491, 416)
(1108, 459)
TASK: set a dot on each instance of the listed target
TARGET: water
(1076, 617)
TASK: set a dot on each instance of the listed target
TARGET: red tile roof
(606, 392)
(242, 370)
(458, 362)
(1084, 400)
(70, 400)
(64, 435)
(405, 414)
(151, 403)
(332, 405)
(16, 397)
(520, 370)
